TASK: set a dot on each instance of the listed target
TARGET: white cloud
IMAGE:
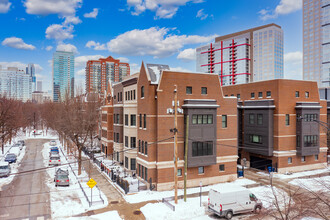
(59, 32)
(95, 45)
(92, 14)
(81, 72)
(71, 20)
(20, 65)
(284, 7)
(17, 43)
(46, 7)
(187, 54)
(67, 48)
(153, 41)
(201, 14)
(48, 48)
(4, 6)
(180, 69)
(81, 61)
(163, 9)
(293, 65)
(134, 68)
(123, 59)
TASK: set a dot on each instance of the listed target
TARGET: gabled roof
(154, 72)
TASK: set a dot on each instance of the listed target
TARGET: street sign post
(91, 183)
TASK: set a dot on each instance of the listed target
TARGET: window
(269, 93)
(297, 94)
(202, 119)
(238, 96)
(200, 170)
(114, 119)
(142, 169)
(133, 120)
(134, 94)
(133, 142)
(307, 94)
(224, 121)
(146, 173)
(316, 157)
(126, 162)
(259, 119)
(126, 141)
(139, 171)
(126, 119)
(114, 136)
(144, 121)
(146, 148)
(204, 91)
(140, 120)
(121, 96)
(252, 95)
(289, 160)
(188, 90)
(117, 156)
(310, 117)
(117, 137)
(303, 159)
(221, 167)
(287, 119)
(142, 147)
(179, 172)
(202, 148)
(310, 140)
(259, 94)
(129, 95)
(125, 95)
(133, 163)
(298, 140)
(142, 91)
(251, 119)
(255, 139)
(139, 145)
(118, 97)
(118, 119)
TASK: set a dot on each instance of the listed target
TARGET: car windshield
(3, 167)
(10, 155)
(62, 177)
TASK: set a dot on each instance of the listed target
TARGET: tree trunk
(3, 145)
(79, 161)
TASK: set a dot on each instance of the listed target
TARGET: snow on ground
(266, 195)
(313, 184)
(298, 174)
(183, 210)
(158, 195)
(112, 215)
(69, 201)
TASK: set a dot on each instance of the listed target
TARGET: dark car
(11, 158)
(21, 142)
(61, 177)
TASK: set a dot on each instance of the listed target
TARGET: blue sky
(155, 31)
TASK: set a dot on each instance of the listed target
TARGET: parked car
(227, 201)
(22, 142)
(61, 177)
(52, 143)
(4, 169)
(20, 146)
(54, 150)
(55, 160)
(11, 158)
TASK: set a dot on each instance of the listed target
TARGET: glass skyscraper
(63, 75)
(316, 41)
(31, 71)
(247, 56)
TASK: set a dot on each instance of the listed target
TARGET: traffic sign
(91, 183)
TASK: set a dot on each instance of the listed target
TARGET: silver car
(54, 160)
(61, 177)
(4, 169)
(52, 143)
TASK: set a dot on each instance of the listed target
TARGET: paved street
(27, 196)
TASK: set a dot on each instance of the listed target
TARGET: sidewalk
(116, 201)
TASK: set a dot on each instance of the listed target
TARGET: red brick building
(100, 72)
(279, 124)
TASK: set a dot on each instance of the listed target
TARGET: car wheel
(257, 209)
(55, 185)
(229, 215)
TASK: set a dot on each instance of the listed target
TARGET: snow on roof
(154, 71)
(226, 188)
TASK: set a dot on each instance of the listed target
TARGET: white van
(225, 201)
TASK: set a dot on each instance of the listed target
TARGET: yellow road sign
(91, 183)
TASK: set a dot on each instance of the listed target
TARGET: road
(27, 196)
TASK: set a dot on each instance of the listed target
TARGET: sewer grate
(137, 212)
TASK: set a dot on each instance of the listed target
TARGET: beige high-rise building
(316, 41)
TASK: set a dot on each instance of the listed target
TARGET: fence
(166, 202)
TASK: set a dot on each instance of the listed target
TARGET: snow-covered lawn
(298, 174)
(158, 195)
(266, 195)
(313, 184)
(69, 201)
(111, 215)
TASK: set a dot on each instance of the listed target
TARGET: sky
(153, 31)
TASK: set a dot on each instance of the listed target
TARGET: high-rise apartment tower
(247, 56)
(99, 72)
(63, 75)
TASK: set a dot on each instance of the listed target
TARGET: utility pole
(186, 158)
(176, 144)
